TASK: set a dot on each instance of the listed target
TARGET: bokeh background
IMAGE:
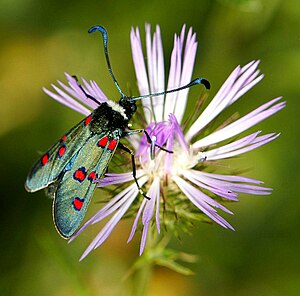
(40, 40)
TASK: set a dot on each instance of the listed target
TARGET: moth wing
(76, 187)
(59, 157)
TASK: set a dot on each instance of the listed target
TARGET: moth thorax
(118, 108)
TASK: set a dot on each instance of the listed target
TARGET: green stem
(144, 266)
(141, 280)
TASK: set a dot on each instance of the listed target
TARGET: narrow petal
(77, 92)
(181, 69)
(153, 193)
(178, 132)
(140, 71)
(117, 201)
(69, 102)
(186, 74)
(230, 183)
(159, 75)
(107, 229)
(110, 225)
(242, 145)
(136, 220)
(196, 197)
(231, 178)
(219, 153)
(237, 84)
(174, 77)
(214, 188)
(70, 95)
(241, 124)
(188, 174)
(111, 179)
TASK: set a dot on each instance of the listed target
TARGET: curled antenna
(105, 38)
(196, 81)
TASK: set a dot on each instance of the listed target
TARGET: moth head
(128, 105)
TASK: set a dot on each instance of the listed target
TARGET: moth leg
(149, 140)
(152, 143)
(86, 94)
(126, 149)
(133, 132)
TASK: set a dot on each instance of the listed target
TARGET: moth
(71, 167)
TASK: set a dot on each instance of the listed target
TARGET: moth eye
(133, 108)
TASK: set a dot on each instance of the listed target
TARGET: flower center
(165, 165)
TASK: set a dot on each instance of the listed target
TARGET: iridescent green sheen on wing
(73, 193)
(40, 175)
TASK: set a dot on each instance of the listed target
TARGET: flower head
(180, 182)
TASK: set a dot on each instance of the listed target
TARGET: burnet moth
(71, 166)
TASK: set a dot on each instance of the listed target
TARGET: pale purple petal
(169, 156)
(241, 124)
(196, 197)
(147, 207)
(111, 179)
(107, 229)
(144, 145)
(214, 188)
(154, 194)
(77, 92)
(188, 174)
(144, 238)
(230, 183)
(231, 178)
(238, 83)
(89, 89)
(118, 200)
(163, 131)
(157, 75)
(155, 71)
(174, 76)
(181, 69)
(69, 102)
(110, 225)
(140, 71)
(70, 95)
(136, 220)
(79, 95)
(241, 146)
(178, 132)
(186, 74)
(151, 59)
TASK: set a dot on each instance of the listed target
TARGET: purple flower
(177, 182)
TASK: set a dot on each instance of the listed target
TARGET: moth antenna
(103, 31)
(196, 81)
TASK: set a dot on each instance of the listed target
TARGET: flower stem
(144, 266)
(141, 280)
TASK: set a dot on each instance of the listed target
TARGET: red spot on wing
(92, 176)
(112, 144)
(102, 143)
(61, 151)
(45, 159)
(63, 138)
(88, 120)
(80, 174)
(78, 203)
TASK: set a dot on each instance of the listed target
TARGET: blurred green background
(40, 40)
